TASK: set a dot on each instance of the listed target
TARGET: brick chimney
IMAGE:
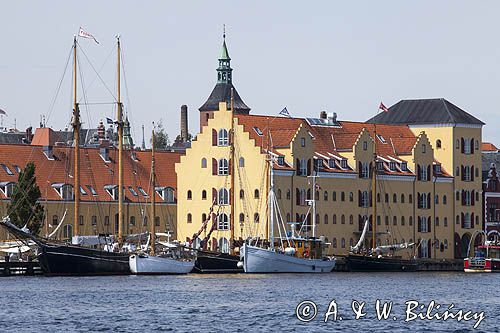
(184, 123)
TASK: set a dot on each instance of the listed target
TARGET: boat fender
(290, 251)
(239, 264)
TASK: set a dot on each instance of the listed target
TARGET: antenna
(224, 31)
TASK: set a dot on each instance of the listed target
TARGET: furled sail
(393, 247)
(356, 247)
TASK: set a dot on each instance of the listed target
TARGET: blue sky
(339, 56)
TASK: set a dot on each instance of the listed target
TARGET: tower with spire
(222, 90)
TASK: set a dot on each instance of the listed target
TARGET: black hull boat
(58, 259)
(363, 263)
(215, 262)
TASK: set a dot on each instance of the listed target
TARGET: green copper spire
(224, 71)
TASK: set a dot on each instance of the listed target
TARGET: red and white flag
(85, 34)
(383, 107)
(2, 112)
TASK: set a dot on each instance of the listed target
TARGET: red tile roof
(488, 146)
(94, 171)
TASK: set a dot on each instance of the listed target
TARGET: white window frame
(222, 222)
(423, 224)
(223, 197)
(223, 167)
(365, 170)
(223, 137)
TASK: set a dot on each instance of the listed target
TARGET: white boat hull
(259, 260)
(145, 264)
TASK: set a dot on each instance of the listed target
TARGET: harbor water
(242, 303)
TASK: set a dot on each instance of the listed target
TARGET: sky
(339, 56)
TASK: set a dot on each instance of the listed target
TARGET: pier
(443, 265)
(17, 268)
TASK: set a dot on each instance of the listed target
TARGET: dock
(18, 268)
(424, 265)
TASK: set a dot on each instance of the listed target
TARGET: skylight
(381, 138)
(257, 130)
(6, 168)
(142, 191)
(131, 189)
(91, 189)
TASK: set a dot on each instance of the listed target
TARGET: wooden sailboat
(87, 255)
(214, 261)
(294, 254)
(166, 262)
(377, 259)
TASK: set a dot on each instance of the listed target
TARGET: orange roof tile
(488, 146)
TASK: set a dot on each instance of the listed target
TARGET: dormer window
(343, 163)
(331, 163)
(112, 191)
(281, 160)
(141, 190)
(404, 166)
(437, 168)
(257, 130)
(392, 166)
(65, 191)
(7, 170)
(380, 166)
(7, 188)
(318, 164)
(165, 193)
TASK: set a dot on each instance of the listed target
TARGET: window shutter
(298, 166)
(429, 248)
(359, 198)
(472, 146)
(462, 168)
(428, 173)
(419, 173)
(309, 167)
(419, 225)
(472, 172)
(463, 220)
(214, 137)
(370, 197)
(473, 197)
(429, 224)
(463, 198)
(214, 166)
(370, 171)
(297, 196)
(462, 145)
(428, 200)
(419, 200)
(472, 221)
(360, 167)
(214, 195)
(229, 137)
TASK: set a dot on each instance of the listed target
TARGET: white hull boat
(146, 264)
(259, 260)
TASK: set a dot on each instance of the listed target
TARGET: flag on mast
(285, 112)
(2, 112)
(383, 107)
(85, 34)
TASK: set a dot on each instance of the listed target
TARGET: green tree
(161, 136)
(24, 207)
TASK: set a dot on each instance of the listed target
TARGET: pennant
(109, 121)
(383, 107)
(85, 34)
(284, 112)
(2, 112)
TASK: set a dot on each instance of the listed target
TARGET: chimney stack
(322, 115)
(184, 123)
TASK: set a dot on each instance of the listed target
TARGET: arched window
(256, 194)
(387, 197)
(242, 218)
(351, 196)
(203, 217)
(378, 197)
(334, 220)
(410, 198)
(438, 144)
(278, 194)
(444, 199)
(189, 195)
(342, 243)
(325, 196)
(342, 219)
(437, 221)
(223, 167)
(288, 194)
(223, 137)
(457, 195)
(242, 162)
(189, 218)
(203, 162)
(445, 222)
(394, 198)
(457, 220)
(402, 198)
(402, 220)
(326, 218)
(242, 194)
(224, 245)
(387, 220)
(223, 196)
(394, 220)
(256, 218)
(351, 219)
(67, 231)
(223, 222)
(132, 220)
(378, 220)
(81, 220)
(334, 243)
(334, 196)
(342, 196)
(457, 144)
(204, 195)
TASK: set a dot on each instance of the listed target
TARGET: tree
(24, 208)
(161, 136)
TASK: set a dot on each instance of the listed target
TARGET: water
(241, 303)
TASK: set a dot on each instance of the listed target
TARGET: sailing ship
(217, 261)
(87, 255)
(171, 259)
(378, 258)
(294, 254)
(486, 258)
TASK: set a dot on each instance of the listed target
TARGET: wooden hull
(259, 260)
(76, 260)
(150, 265)
(214, 262)
(360, 263)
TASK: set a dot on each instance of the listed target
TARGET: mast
(314, 205)
(374, 189)
(153, 203)
(120, 149)
(271, 201)
(231, 172)
(76, 139)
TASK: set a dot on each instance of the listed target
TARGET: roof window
(6, 168)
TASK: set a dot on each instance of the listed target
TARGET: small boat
(289, 254)
(486, 258)
(216, 262)
(172, 259)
